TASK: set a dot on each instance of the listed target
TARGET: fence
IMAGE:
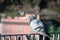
(54, 36)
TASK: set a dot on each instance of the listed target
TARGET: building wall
(1, 25)
(16, 29)
(17, 25)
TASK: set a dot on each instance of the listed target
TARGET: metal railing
(54, 36)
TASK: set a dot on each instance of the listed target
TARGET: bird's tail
(44, 34)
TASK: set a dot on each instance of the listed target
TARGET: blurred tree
(8, 2)
(58, 29)
(55, 2)
(2, 6)
(32, 3)
(27, 1)
(43, 4)
(18, 2)
(51, 29)
(55, 22)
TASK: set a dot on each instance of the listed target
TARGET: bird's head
(32, 18)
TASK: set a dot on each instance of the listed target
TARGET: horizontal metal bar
(15, 23)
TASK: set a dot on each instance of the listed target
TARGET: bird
(38, 27)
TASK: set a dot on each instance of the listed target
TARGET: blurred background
(46, 9)
(13, 12)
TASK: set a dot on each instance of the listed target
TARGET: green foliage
(34, 1)
(58, 29)
(12, 14)
(27, 1)
(54, 29)
(51, 29)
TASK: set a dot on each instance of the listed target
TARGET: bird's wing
(40, 23)
(42, 31)
(37, 25)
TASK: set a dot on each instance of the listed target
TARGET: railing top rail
(17, 34)
(27, 34)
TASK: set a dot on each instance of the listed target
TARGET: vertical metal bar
(4, 37)
(22, 37)
(34, 37)
(10, 37)
(53, 36)
(58, 36)
(43, 37)
(40, 37)
(16, 37)
(37, 37)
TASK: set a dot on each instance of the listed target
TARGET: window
(20, 28)
(8, 28)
